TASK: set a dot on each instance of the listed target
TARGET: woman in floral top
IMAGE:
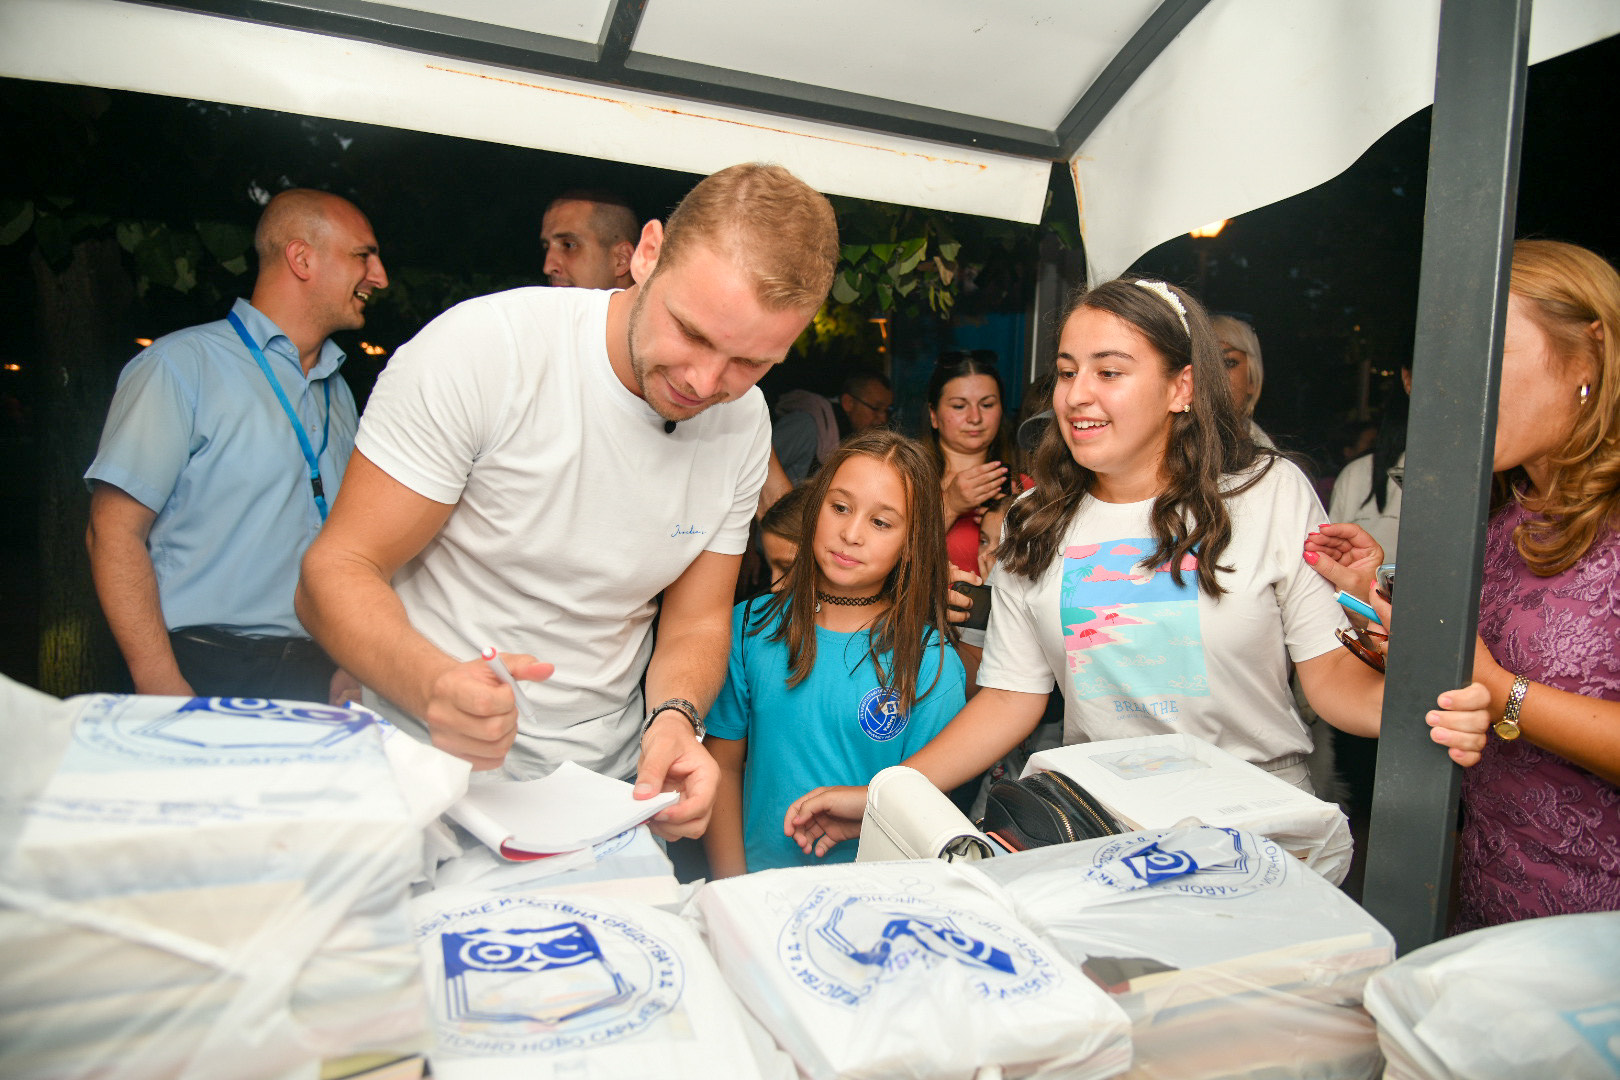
(1541, 808)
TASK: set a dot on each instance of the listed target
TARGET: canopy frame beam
(612, 61)
(1474, 144)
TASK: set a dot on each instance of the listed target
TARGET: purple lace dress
(1540, 835)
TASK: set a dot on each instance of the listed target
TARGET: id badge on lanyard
(312, 457)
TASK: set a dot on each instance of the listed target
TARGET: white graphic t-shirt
(1137, 654)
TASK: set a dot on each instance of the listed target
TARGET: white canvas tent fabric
(1256, 100)
(127, 46)
(1261, 99)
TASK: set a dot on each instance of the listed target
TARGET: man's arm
(689, 662)
(776, 485)
(126, 584)
(347, 602)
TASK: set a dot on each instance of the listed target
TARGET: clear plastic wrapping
(906, 970)
(1231, 958)
(209, 888)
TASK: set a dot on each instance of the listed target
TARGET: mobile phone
(979, 614)
(1386, 580)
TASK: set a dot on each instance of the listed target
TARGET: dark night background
(1328, 277)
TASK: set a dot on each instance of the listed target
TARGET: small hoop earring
(1586, 389)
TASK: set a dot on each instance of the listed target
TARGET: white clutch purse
(907, 817)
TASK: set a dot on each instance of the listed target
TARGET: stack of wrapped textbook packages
(209, 887)
(215, 888)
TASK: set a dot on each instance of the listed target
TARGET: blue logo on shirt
(880, 714)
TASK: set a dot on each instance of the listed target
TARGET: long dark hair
(916, 587)
(955, 365)
(1389, 447)
(1205, 447)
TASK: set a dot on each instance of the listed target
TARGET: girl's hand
(957, 604)
(1462, 721)
(818, 820)
(1386, 616)
(1346, 555)
(967, 488)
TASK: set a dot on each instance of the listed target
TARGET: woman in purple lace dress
(1541, 809)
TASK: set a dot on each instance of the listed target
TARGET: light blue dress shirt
(196, 434)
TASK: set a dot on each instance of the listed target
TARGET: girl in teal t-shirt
(849, 667)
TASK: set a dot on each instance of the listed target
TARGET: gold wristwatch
(1508, 726)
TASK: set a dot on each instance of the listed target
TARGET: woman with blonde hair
(1541, 810)
(1245, 372)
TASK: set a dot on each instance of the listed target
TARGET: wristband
(682, 706)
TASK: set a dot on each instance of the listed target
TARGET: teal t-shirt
(836, 727)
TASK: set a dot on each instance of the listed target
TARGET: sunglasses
(1363, 644)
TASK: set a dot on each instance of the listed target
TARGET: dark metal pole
(1462, 302)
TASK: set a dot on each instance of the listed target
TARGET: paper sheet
(571, 809)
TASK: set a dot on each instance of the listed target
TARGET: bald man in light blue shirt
(224, 444)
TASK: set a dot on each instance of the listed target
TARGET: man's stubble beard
(638, 369)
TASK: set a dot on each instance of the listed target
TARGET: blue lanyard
(311, 456)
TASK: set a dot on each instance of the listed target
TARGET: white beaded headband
(1161, 289)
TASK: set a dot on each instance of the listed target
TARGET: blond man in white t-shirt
(537, 467)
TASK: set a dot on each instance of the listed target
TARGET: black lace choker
(846, 601)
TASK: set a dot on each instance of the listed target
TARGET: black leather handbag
(1045, 808)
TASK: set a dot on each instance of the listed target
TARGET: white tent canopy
(956, 105)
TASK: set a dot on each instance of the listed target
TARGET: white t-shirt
(1351, 501)
(1136, 655)
(573, 509)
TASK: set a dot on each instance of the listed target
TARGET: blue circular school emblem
(1211, 862)
(223, 731)
(524, 976)
(880, 714)
(841, 946)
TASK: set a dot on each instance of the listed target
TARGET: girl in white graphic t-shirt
(1151, 572)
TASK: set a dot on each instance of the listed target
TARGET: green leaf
(51, 234)
(155, 257)
(78, 224)
(129, 234)
(843, 289)
(949, 249)
(224, 240)
(911, 254)
(885, 296)
(885, 252)
(239, 266)
(852, 253)
(185, 279)
(16, 218)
